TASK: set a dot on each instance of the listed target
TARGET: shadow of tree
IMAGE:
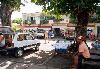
(30, 57)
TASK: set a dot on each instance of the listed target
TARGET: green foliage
(98, 9)
(12, 4)
(15, 26)
(97, 19)
(50, 15)
(73, 19)
(29, 23)
(80, 9)
(44, 22)
(68, 6)
(18, 21)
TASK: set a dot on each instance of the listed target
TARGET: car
(40, 33)
(19, 43)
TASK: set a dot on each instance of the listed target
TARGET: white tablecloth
(62, 44)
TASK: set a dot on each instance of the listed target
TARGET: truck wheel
(18, 52)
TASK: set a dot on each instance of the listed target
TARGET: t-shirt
(84, 49)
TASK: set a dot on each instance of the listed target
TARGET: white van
(20, 42)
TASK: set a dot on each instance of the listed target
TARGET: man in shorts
(46, 36)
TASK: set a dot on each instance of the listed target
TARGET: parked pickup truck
(18, 42)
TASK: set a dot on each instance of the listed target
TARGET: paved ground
(30, 59)
(42, 59)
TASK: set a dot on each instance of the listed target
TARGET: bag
(73, 49)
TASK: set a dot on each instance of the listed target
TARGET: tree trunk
(5, 15)
(81, 28)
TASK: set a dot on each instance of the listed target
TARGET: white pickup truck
(20, 42)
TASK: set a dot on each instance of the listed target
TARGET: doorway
(98, 30)
(57, 31)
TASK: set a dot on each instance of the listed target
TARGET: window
(28, 37)
(21, 37)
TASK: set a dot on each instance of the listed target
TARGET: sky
(28, 8)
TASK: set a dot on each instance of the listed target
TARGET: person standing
(49, 34)
(46, 36)
(91, 36)
(83, 51)
(1, 40)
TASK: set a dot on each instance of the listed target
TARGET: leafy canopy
(12, 4)
(68, 6)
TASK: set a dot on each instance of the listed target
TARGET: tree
(17, 20)
(6, 9)
(79, 8)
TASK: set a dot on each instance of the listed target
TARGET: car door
(18, 40)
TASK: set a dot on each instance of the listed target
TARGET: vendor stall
(61, 46)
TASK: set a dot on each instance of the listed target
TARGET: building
(36, 18)
(39, 19)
